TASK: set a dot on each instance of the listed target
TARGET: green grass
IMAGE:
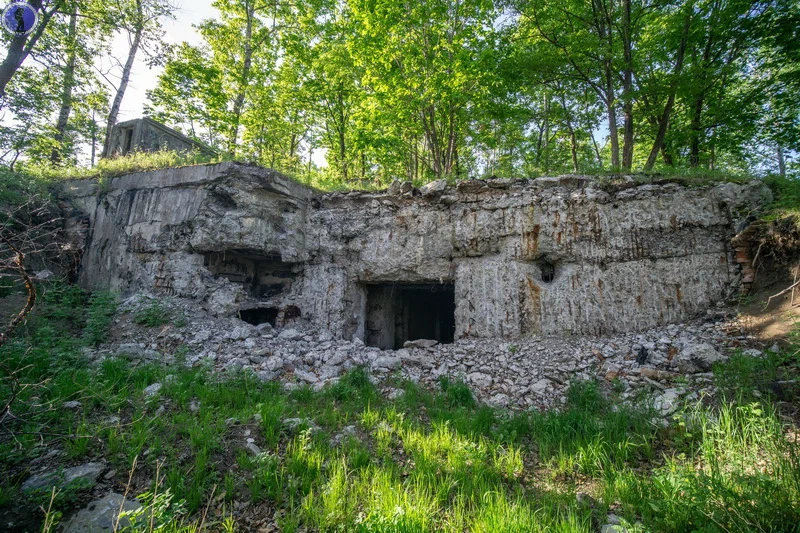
(432, 460)
(786, 203)
(120, 166)
(153, 315)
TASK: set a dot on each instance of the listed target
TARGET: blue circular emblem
(20, 18)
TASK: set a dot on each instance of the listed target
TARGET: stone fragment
(541, 386)
(72, 404)
(499, 400)
(698, 358)
(274, 363)
(386, 362)
(667, 402)
(433, 187)
(341, 437)
(242, 332)
(252, 448)
(152, 390)
(290, 334)
(394, 394)
(294, 424)
(655, 374)
(264, 328)
(420, 343)
(85, 473)
(101, 515)
(479, 379)
(308, 377)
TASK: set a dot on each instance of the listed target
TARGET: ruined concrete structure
(496, 258)
(148, 135)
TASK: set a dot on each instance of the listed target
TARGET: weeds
(153, 315)
(102, 305)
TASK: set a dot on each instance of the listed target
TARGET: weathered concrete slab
(550, 255)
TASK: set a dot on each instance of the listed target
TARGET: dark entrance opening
(259, 315)
(264, 276)
(548, 271)
(399, 312)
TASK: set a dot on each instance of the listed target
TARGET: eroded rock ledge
(481, 259)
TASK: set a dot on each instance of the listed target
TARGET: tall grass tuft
(739, 473)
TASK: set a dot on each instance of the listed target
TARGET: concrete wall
(625, 258)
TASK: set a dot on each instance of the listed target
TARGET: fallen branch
(18, 266)
(784, 291)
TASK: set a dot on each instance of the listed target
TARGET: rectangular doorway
(398, 312)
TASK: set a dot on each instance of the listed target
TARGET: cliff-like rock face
(498, 258)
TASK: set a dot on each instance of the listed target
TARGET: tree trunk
(66, 93)
(781, 162)
(695, 128)
(238, 103)
(123, 85)
(696, 125)
(663, 121)
(546, 147)
(627, 87)
(666, 155)
(612, 133)
(605, 32)
(94, 140)
(20, 47)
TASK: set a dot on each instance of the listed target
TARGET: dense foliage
(424, 90)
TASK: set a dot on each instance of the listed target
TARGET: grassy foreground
(347, 459)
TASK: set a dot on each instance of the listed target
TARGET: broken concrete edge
(214, 172)
(184, 175)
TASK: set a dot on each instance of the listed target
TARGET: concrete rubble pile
(673, 363)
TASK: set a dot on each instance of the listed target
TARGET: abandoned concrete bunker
(482, 258)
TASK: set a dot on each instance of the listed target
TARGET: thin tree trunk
(604, 27)
(663, 121)
(612, 132)
(627, 87)
(94, 139)
(596, 149)
(66, 93)
(238, 103)
(781, 162)
(546, 147)
(695, 128)
(666, 155)
(123, 85)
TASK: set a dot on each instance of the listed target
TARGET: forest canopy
(422, 90)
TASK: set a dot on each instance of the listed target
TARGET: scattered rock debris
(534, 372)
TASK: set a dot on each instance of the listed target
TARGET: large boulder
(698, 358)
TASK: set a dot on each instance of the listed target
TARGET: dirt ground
(774, 322)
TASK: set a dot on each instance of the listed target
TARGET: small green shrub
(456, 393)
(154, 315)
(102, 306)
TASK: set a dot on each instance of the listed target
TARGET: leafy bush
(155, 314)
